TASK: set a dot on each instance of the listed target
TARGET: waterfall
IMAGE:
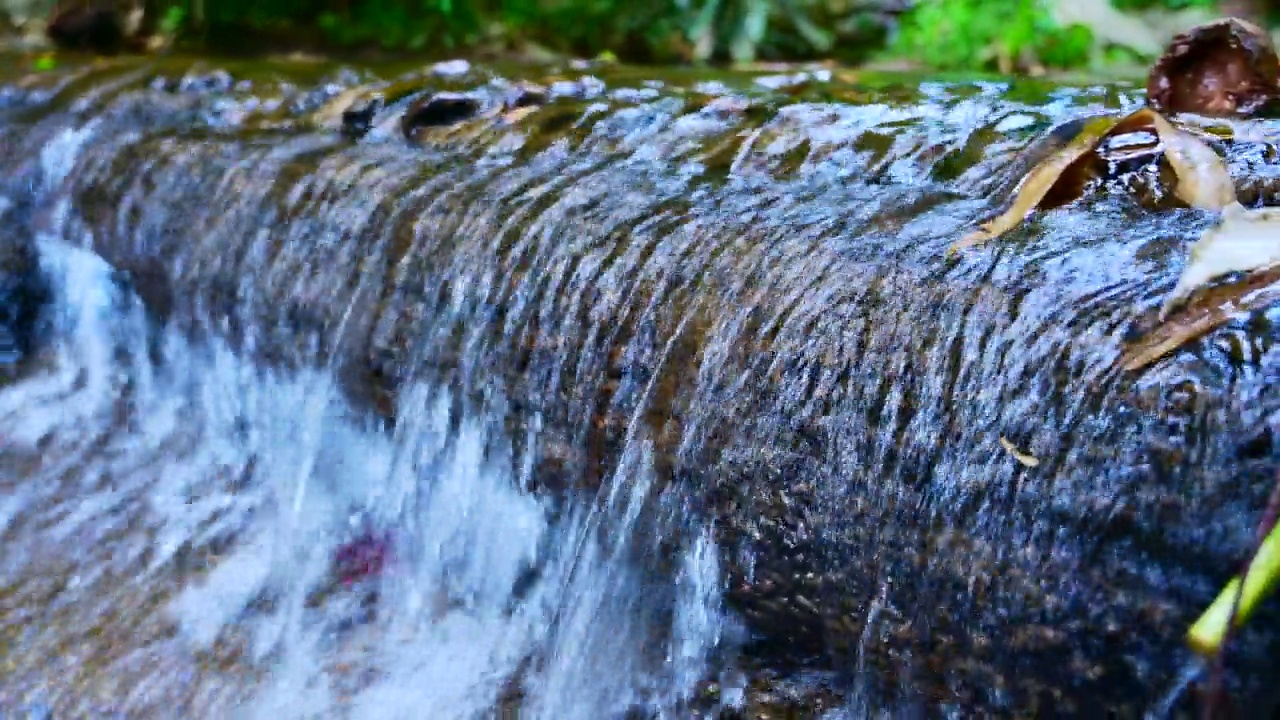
(657, 399)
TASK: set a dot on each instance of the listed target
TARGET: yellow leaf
(1024, 458)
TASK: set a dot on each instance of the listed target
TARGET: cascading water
(135, 457)
(648, 401)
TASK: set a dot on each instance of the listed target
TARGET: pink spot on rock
(362, 557)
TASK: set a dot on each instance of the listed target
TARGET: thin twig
(1217, 676)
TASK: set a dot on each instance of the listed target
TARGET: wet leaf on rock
(1202, 178)
(332, 115)
(1217, 307)
(1026, 459)
(522, 100)
(1244, 241)
(1040, 181)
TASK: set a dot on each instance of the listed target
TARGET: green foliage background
(938, 34)
(971, 34)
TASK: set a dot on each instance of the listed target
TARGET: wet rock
(164, 84)
(438, 110)
(817, 488)
(198, 83)
(727, 105)
(94, 29)
(313, 100)
(587, 87)
(635, 95)
(793, 83)
(216, 81)
(357, 119)
(525, 95)
(451, 68)
(712, 87)
(22, 291)
(1227, 67)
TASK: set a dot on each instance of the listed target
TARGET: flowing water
(654, 399)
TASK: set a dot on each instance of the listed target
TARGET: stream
(601, 392)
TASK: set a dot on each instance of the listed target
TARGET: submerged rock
(357, 119)
(438, 110)
(22, 291)
(1227, 67)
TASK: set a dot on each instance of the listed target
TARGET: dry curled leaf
(1024, 458)
(1202, 180)
(1244, 241)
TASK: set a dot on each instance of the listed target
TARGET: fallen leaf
(1202, 180)
(1218, 306)
(329, 116)
(514, 116)
(1024, 458)
(1038, 182)
(1243, 241)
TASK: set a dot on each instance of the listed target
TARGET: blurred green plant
(958, 35)
(173, 20)
(661, 30)
(981, 34)
(1163, 4)
(745, 30)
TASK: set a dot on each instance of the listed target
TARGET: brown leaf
(1202, 178)
(329, 116)
(1244, 241)
(1216, 308)
(1037, 184)
(515, 115)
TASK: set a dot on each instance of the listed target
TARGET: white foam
(263, 474)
